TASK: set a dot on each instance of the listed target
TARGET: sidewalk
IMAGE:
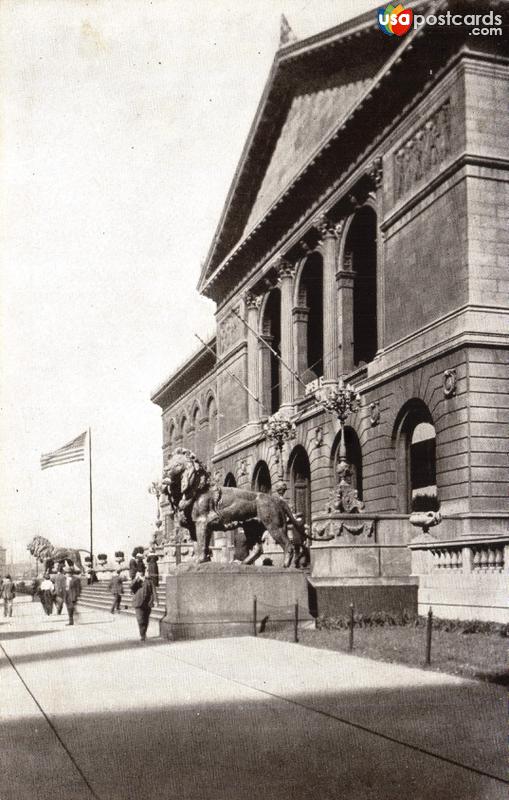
(88, 712)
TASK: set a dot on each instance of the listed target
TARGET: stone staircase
(98, 596)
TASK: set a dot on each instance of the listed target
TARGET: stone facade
(381, 256)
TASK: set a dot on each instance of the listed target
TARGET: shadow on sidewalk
(78, 651)
(247, 750)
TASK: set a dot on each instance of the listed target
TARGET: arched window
(360, 256)
(261, 481)
(415, 442)
(270, 365)
(300, 482)
(172, 434)
(353, 457)
(211, 428)
(230, 480)
(196, 446)
(184, 431)
(310, 319)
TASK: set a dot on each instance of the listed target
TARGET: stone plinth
(216, 600)
(362, 559)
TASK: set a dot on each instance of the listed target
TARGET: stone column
(345, 280)
(375, 172)
(300, 316)
(252, 303)
(286, 273)
(264, 374)
(330, 232)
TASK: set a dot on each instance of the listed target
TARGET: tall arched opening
(415, 442)
(360, 255)
(309, 320)
(300, 483)
(270, 364)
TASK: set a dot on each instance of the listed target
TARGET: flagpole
(90, 498)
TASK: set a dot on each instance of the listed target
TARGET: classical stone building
(365, 235)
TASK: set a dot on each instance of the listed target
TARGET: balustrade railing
(447, 558)
(488, 559)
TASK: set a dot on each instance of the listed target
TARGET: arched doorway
(261, 481)
(415, 442)
(360, 252)
(300, 483)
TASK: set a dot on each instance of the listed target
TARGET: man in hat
(59, 583)
(117, 590)
(143, 602)
(72, 592)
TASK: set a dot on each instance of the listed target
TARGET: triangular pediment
(311, 87)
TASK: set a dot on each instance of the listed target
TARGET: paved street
(88, 712)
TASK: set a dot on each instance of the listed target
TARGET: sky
(122, 125)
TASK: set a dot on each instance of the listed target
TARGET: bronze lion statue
(203, 507)
(47, 554)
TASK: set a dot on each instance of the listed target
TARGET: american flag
(73, 451)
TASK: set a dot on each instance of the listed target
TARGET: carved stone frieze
(424, 151)
(229, 332)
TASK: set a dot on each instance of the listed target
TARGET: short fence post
(429, 628)
(351, 623)
(178, 554)
(296, 628)
(254, 616)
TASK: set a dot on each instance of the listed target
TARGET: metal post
(296, 629)
(254, 616)
(429, 628)
(350, 643)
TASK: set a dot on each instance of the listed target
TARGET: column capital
(284, 268)
(252, 300)
(375, 171)
(327, 228)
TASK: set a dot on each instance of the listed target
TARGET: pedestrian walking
(47, 594)
(117, 590)
(8, 594)
(59, 583)
(153, 570)
(143, 602)
(72, 592)
(136, 563)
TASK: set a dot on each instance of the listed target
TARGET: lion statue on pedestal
(49, 555)
(203, 507)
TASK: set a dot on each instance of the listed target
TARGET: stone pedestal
(217, 600)
(362, 559)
